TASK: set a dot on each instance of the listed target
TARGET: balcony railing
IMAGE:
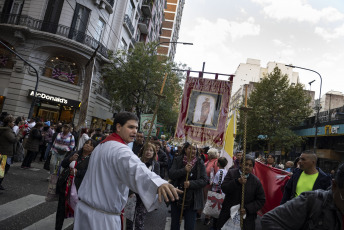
(127, 22)
(64, 31)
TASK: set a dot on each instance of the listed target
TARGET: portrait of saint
(204, 109)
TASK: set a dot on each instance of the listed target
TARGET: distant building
(251, 72)
(58, 38)
(170, 27)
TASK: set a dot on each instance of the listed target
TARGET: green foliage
(276, 108)
(133, 78)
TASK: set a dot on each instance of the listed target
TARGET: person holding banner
(320, 209)
(188, 163)
(254, 194)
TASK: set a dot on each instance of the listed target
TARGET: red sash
(113, 137)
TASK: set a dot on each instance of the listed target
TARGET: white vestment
(104, 190)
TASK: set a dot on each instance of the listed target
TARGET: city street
(23, 206)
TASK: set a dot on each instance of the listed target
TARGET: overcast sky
(306, 33)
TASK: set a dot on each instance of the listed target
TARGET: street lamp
(317, 106)
(310, 84)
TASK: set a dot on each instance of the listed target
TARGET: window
(6, 57)
(63, 69)
(99, 30)
(124, 45)
(131, 9)
(79, 23)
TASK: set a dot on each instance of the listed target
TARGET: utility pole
(86, 90)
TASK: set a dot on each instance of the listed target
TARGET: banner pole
(244, 109)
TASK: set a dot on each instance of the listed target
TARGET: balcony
(144, 25)
(64, 31)
(129, 25)
(147, 8)
(111, 2)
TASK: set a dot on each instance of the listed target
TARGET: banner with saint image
(203, 112)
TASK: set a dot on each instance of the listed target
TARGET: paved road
(23, 205)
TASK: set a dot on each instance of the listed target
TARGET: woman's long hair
(144, 148)
(94, 144)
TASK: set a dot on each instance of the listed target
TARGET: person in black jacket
(194, 186)
(254, 194)
(147, 156)
(162, 158)
(311, 210)
(82, 158)
(306, 178)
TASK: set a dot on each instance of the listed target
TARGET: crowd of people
(98, 172)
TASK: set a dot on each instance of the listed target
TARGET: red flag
(273, 181)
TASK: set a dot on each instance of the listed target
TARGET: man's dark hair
(249, 158)
(310, 153)
(272, 155)
(339, 177)
(222, 161)
(122, 118)
(139, 131)
(18, 119)
(8, 119)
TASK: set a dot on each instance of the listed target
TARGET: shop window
(6, 57)
(63, 69)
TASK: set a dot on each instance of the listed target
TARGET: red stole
(114, 137)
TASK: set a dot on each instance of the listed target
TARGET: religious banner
(145, 122)
(203, 113)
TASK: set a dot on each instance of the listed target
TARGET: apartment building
(57, 37)
(170, 27)
(142, 22)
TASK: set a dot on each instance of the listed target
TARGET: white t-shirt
(218, 179)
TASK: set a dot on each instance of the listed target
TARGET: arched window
(6, 57)
(63, 69)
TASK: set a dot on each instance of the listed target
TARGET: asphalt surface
(22, 183)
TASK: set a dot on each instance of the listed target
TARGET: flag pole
(244, 109)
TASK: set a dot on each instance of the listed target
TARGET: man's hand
(242, 212)
(186, 184)
(168, 191)
(242, 180)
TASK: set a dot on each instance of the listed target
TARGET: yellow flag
(227, 150)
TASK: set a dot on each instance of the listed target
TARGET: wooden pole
(245, 109)
(156, 108)
(186, 179)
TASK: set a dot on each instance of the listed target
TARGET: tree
(276, 108)
(133, 77)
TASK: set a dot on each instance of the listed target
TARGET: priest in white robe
(112, 170)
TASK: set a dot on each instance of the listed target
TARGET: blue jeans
(189, 218)
(47, 150)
